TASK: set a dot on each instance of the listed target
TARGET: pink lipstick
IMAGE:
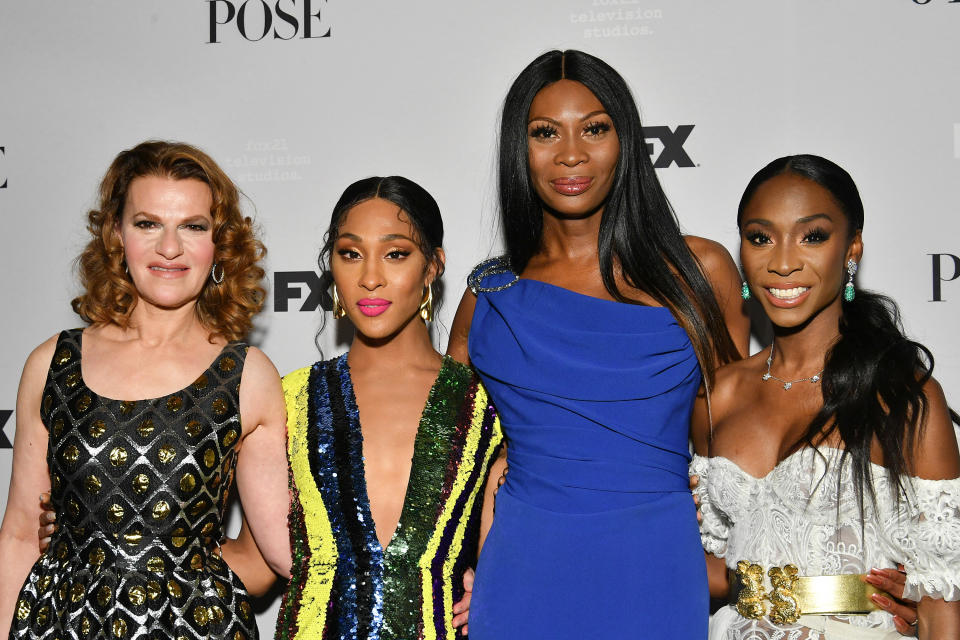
(571, 186)
(373, 306)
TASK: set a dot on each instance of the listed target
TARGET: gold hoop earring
(426, 305)
(338, 310)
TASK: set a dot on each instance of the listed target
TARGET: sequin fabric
(139, 489)
(343, 584)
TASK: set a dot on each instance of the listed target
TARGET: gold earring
(338, 310)
(426, 305)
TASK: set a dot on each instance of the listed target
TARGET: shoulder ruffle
(925, 531)
(715, 526)
(493, 274)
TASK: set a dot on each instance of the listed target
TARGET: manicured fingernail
(883, 602)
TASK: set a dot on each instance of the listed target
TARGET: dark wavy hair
(110, 296)
(638, 228)
(873, 377)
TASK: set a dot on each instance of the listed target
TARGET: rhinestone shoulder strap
(488, 268)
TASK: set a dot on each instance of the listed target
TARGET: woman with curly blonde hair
(138, 423)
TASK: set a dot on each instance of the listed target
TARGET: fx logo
(4, 440)
(255, 19)
(3, 174)
(938, 273)
(672, 142)
(287, 287)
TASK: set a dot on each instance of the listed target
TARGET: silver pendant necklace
(815, 378)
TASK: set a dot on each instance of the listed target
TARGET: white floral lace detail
(793, 515)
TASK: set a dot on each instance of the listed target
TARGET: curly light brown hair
(226, 309)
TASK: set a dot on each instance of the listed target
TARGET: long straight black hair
(638, 228)
(873, 377)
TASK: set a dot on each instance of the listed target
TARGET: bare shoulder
(32, 381)
(730, 383)
(937, 456)
(261, 396)
(717, 264)
(38, 362)
(457, 347)
(711, 254)
(257, 363)
(733, 386)
(724, 277)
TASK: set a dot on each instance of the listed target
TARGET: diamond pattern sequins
(138, 487)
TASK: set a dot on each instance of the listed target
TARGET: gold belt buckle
(784, 608)
(792, 595)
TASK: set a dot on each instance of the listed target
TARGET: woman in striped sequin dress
(390, 445)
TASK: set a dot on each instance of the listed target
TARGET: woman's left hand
(904, 611)
(48, 521)
(461, 609)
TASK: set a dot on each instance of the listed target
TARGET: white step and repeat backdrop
(298, 98)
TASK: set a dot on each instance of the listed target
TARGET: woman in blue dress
(593, 335)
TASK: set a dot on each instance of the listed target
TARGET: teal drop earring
(745, 291)
(849, 293)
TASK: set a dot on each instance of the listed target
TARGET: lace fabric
(795, 514)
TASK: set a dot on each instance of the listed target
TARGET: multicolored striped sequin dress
(343, 584)
(139, 489)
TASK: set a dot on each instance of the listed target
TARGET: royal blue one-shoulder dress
(595, 533)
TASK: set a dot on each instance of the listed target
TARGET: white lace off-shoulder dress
(795, 515)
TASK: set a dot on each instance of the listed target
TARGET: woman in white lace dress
(831, 452)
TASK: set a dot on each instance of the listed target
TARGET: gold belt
(792, 595)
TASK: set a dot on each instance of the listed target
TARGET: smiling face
(166, 230)
(378, 268)
(794, 245)
(572, 148)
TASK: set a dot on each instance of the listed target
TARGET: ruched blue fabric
(595, 532)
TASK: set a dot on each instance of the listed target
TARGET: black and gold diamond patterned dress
(139, 489)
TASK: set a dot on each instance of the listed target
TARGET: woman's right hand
(48, 522)
(904, 611)
(694, 483)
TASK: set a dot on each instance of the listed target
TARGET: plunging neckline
(418, 445)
